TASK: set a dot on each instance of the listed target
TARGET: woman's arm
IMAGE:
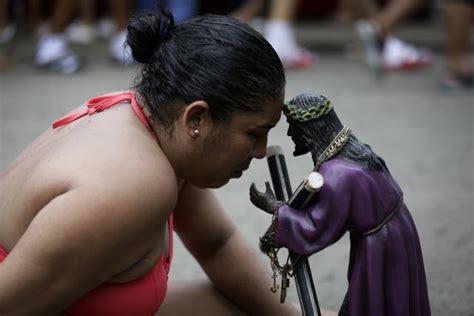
(79, 240)
(231, 263)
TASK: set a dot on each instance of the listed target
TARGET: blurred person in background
(457, 16)
(118, 49)
(375, 26)
(83, 29)
(279, 31)
(53, 51)
(94, 21)
(89, 208)
(114, 28)
(278, 25)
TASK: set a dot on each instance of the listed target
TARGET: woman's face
(230, 147)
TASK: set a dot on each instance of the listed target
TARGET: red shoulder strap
(100, 103)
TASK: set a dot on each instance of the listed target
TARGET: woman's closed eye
(254, 135)
(257, 135)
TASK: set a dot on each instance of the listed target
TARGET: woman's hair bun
(147, 31)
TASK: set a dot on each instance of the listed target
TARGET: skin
(72, 220)
(457, 21)
(385, 19)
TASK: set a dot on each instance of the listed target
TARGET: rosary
(268, 247)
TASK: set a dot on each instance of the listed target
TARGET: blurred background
(399, 73)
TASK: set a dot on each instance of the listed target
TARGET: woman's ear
(196, 118)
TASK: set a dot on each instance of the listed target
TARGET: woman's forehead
(267, 116)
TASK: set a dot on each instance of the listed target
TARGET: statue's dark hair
(362, 153)
(317, 134)
(212, 58)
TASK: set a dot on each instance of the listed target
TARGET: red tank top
(140, 297)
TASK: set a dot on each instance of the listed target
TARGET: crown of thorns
(308, 113)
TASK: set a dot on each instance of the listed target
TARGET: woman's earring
(195, 132)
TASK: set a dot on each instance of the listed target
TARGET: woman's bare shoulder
(119, 164)
(141, 171)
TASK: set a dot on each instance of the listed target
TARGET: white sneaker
(280, 35)
(119, 50)
(105, 29)
(398, 55)
(81, 33)
(54, 54)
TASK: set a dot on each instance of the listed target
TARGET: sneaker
(53, 54)
(372, 44)
(301, 59)
(282, 38)
(80, 33)
(398, 55)
(119, 50)
(105, 29)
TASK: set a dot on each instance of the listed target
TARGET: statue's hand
(264, 201)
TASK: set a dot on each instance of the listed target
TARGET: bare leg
(283, 10)
(457, 22)
(393, 13)
(357, 9)
(3, 13)
(35, 9)
(119, 9)
(62, 15)
(248, 10)
(118, 50)
(197, 298)
(384, 20)
(88, 11)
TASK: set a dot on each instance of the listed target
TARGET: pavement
(425, 136)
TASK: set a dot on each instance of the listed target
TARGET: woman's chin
(214, 184)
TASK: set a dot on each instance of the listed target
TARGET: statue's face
(297, 137)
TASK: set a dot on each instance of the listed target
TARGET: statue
(386, 274)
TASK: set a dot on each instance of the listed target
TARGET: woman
(88, 209)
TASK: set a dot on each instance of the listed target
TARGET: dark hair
(357, 151)
(317, 134)
(212, 58)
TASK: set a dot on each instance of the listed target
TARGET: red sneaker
(302, 60)
(400, 56)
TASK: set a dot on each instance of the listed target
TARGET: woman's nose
(260, 150)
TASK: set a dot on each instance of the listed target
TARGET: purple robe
(386, 274)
